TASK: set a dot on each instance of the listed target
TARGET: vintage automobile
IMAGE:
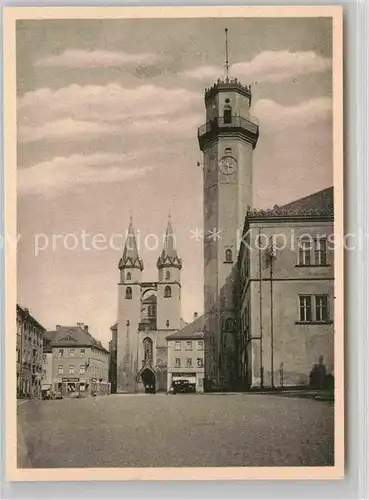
(183, 386)
(58, 395)
(150, 389)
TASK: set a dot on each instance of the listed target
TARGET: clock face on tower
(227, 165)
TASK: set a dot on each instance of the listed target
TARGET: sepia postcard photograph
(174, 243)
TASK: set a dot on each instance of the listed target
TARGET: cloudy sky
(107, 127)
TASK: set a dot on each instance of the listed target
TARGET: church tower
(129, 313)
(227, 141)
(169, 283)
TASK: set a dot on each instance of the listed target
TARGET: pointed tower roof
(130, 254)
(169, 256)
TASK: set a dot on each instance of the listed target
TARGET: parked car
(150, 389)
(183, 386)
(58, 395)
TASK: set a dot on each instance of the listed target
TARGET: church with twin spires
(148, 311)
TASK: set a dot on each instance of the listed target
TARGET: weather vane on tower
(226, 63)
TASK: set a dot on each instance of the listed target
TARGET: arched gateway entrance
(149, 381)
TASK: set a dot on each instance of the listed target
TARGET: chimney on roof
(26, 310)
(58, 327)
(85, 328)
(80, 325)
(195, 314)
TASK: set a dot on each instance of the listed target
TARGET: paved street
(182, 430)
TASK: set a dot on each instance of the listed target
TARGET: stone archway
(149, 381)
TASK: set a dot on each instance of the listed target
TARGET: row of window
(71, 352)
(129, 275)
(97, 371)
(312, 308)
(189, 345)
(310, 253)
(199, 362)
(167, 292)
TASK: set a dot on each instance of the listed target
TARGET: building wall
(47, 365)
(129, 317)
(289, 349)
(29, 355)
(183, 370)
(89, 364)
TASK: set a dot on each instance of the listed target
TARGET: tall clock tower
(227, 141)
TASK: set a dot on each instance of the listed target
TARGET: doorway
(149, 381)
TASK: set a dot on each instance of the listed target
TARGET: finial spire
(130, 216)
(227, 62)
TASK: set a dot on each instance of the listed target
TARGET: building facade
(186, 355)
(79, 362)
(286, 268)
(30, 336)
(227, 141)
(113, 359)
(147, 313)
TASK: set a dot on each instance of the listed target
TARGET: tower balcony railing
(235, 122)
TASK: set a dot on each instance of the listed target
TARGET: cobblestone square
(176, 431)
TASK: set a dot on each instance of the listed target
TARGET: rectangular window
(60, 369)
(305, 253)
(321, 307)
(60, 353)
(72, 369)
(189, 345)
(82, 352)
(200, 345)
(321, 252)
(177, 345)
(82, 370)
(188, 362)
(200, 362)
(72, 353)
(178, 362)
(305, 308)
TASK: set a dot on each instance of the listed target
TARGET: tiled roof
(70, 336)
(319, 203)
(194, 330)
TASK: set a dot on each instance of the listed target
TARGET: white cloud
(66, 128)
(62, 173)
(273, 116)
(77, 112)
(110, 103)
(94, 58)
(74, 130)
(268, 66)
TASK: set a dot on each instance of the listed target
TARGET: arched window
(147, 345)
(228, 255)
(129, 276)
(167, 275)
(167, 323)
(228, 325)
(167, 292)
(128, 292)
(227, 112)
